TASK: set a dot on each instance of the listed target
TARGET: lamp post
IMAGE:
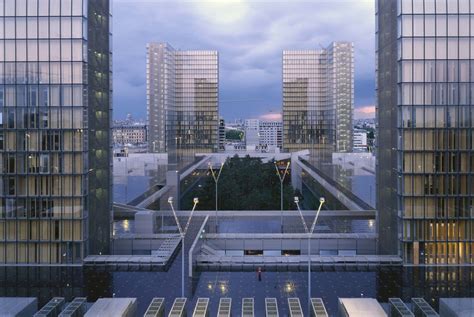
(216, 175)
(27, 144)
(310, 233)
(179, 143)
(282, 179)
(182, 233)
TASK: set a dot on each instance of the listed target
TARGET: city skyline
(250, 73)
(342, 183)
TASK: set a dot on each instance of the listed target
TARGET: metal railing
(201, 309)
(271, 307)
(156, 308)
(318, 308)
(76, 308)
(178, 308)
(52, 308)
(248, 307)
(399, 309)
(294, 306)
(225, 306)
(422, 308)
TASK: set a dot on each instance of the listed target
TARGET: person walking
(259, 274)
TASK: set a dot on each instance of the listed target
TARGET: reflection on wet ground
(382, 283)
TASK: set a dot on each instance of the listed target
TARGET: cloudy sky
(250, 36)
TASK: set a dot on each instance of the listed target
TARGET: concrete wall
(130, 246)
(362, 246)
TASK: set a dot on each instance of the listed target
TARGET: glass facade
(434, 120)
(318, 98)
(183, 112)
(45, 136)
(341, 93)
(160, 93)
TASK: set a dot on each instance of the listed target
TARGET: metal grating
(422, 308)
(295, 307)
(271, 307)
(201, 309)
(248, 307)
(225, 305)
(398, 308)
(318, 308)
(156, 308)
(178, 308)
(76, 308)
(52, 308)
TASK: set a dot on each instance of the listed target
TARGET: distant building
(221, 134)
(238, 124)
(251, 133)
(365, 123)
(129, 120)
(263, 135)
(360, 139)
(131, 134)
(182, 101)
(271, 134)
(318, 98)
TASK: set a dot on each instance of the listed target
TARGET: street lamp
(27, 142)
(177, 147)
(216, 175)
(282, 179)
(310, 233)
(182, 233)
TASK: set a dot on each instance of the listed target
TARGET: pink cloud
(271, 117)
(364, 112)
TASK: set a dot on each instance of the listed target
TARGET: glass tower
(318, 99)
(341, 92)
(183, 111)
(425, 120)
(55, 111)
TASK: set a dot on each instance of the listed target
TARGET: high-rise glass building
(182, 101)
(55, 114)
(318, 98)
(425, 73)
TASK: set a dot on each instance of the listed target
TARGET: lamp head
(322, 200)
(196, 200)
(170, 200)
(297, 199)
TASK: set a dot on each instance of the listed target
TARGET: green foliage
(245, 184)
(233, 135)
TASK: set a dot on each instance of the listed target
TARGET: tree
(245, 184)
(233, 135)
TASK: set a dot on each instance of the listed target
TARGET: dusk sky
(250, 36)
